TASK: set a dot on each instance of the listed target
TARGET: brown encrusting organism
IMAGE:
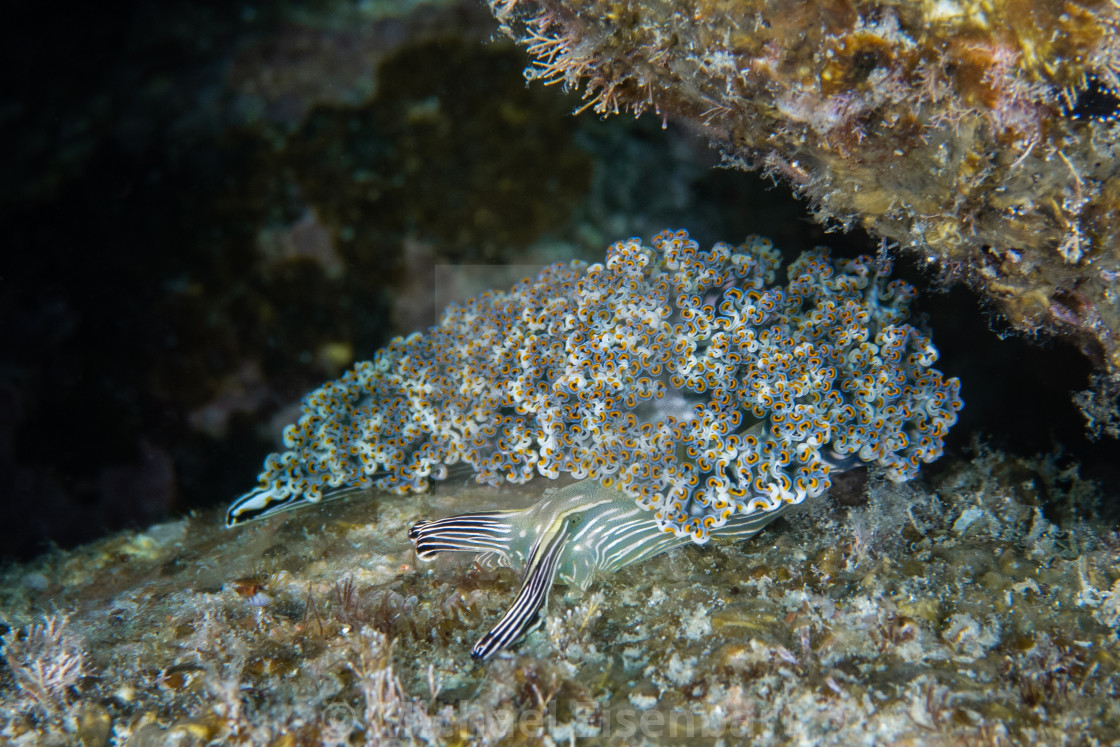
(980, 135)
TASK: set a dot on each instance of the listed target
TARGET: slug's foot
(496, 534)
(572, 534)
(524, 615)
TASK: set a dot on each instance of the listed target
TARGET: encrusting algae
(946, 609)
(691, 396)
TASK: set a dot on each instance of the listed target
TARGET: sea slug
(690, 395)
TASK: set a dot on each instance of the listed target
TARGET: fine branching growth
(47, 661)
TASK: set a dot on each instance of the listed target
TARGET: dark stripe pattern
(524, 614)
(573, 534)
(483, 532)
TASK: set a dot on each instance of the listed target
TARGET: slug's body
(690, 398)
(573, 535)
